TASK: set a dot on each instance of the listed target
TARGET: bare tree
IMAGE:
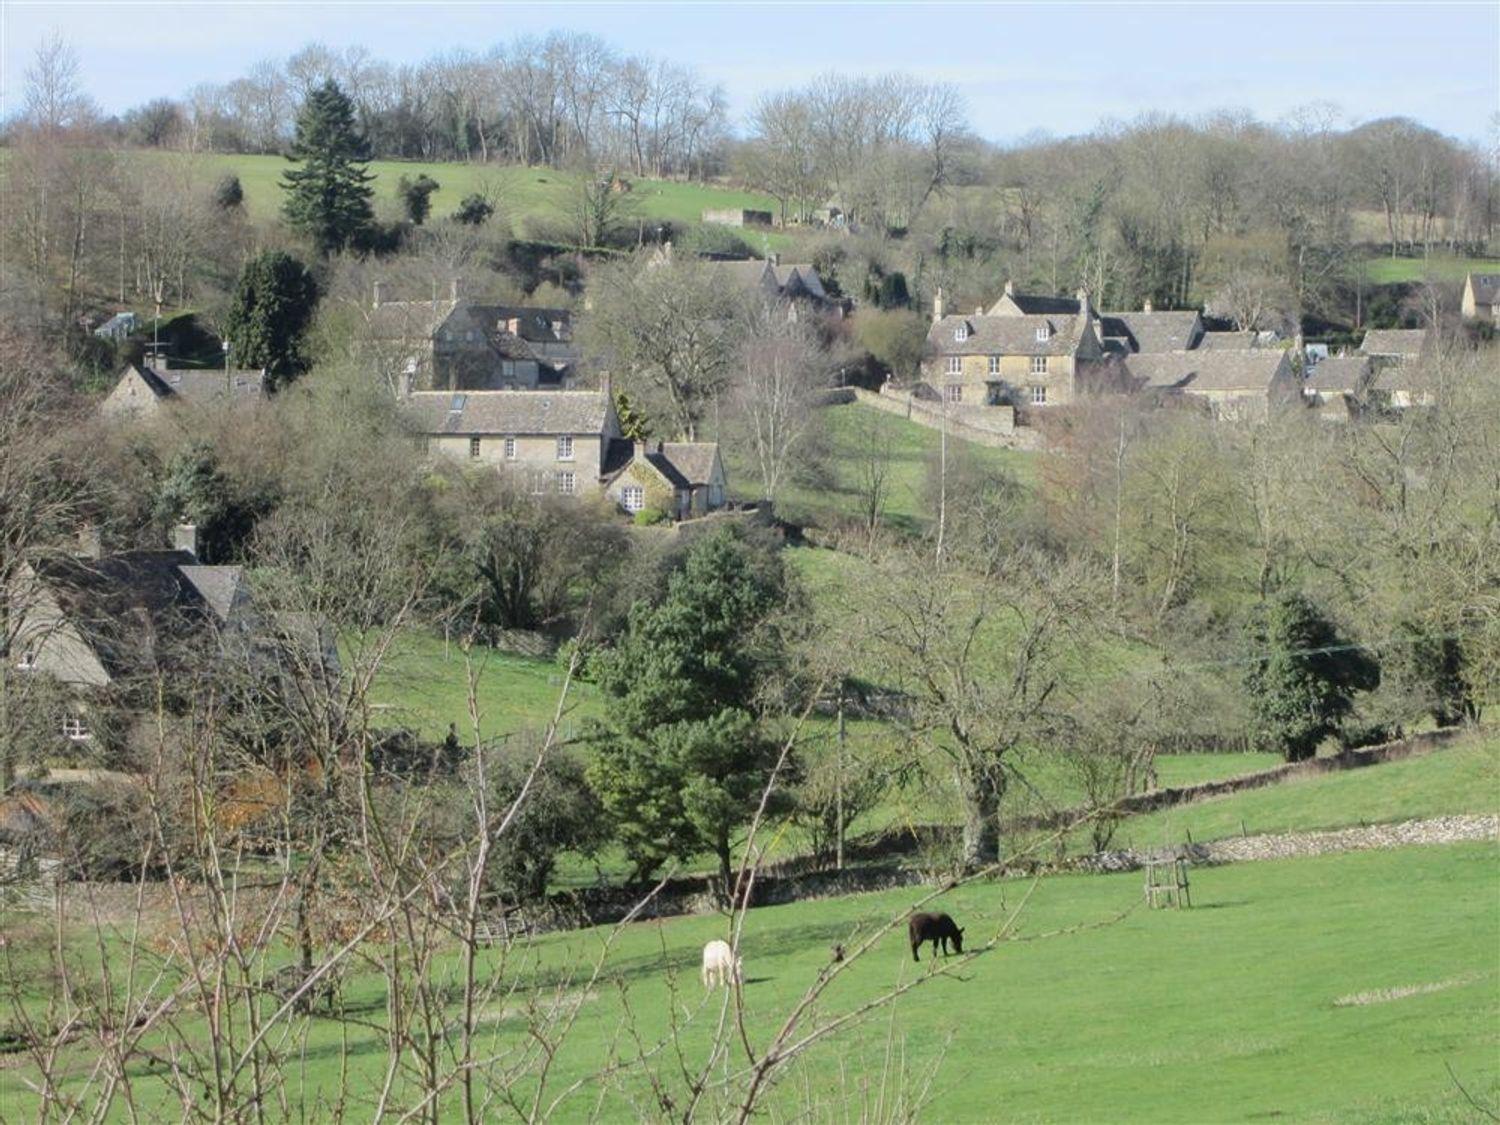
(782, 368)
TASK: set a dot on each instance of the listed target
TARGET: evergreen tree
(328, 191)
(685, 756)
(271, 308)
(1303, 675)
(634, 425)
(474, 210)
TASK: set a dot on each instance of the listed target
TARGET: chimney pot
(937, 305)
(455, 289)
(185, 538)
(379, 293)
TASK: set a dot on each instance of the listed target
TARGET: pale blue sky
(1022, 67)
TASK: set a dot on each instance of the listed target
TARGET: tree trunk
(726, 873)
(982, 789)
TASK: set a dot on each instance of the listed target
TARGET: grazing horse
(720, 965)
(936, 928)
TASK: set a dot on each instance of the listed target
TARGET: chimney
(88, 542)
(666, 249)
(640, 449)
(185, 538)
(774, 259)
(1147, 306)
(937, 305)
(513, 326)
(1010, 287)
(455, 290)
(978, 310)
(1084, 308)
(379, 293)
(409, 378)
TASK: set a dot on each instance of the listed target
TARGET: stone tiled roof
(1034, 304)
(1394, 341)
(1198, 370)
(1006, 335)
(220, 587)
(202, 385)
(1168, 331)
(506, 412)
(693, 459)
(803, 273)
(1339, 374)
(1229, 341)
(409, 320)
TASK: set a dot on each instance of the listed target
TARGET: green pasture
(1355, 987)
(1392, 271)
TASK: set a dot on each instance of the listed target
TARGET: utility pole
(839, 788)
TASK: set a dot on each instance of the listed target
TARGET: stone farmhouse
(1388, 346)
(1234, 384)
(153, 388)
(569, 443)
(460, 344)
(1339, 387)
(108, 628)
(1481, 298)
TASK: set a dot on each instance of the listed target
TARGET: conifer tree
(270, 310)
(328, 189)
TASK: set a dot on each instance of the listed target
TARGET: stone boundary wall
(995, 428)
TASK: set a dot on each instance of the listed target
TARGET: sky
(1058, 68)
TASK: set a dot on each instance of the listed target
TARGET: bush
(474, 210)
(560, 813)
(228, 193)
(716, 241)
(650, 517)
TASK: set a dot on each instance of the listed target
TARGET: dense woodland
(1047, 625)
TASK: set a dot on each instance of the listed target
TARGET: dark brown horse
(936, 928)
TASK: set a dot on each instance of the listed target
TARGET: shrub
(650, 517)
(474, 210)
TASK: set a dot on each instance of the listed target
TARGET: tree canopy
(328, 189)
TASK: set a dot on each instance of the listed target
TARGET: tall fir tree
(328, 189)
(270, 310)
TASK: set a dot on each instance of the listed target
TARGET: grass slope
(1461, 779)
(1238, 1009)
(1390, 271)
(850, 432)
(526, 196)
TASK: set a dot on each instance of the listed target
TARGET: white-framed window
(510, 449)
(473, 447)
(75, 729)
(1044, 332)
(566, 483)
(540, 481)
(961, 333)
(955, 365)
(1038, 396)
(953, 392)
(565, 447)
(1039, 365)
(633, 498)
(994, 365)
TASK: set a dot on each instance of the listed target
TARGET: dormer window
(1043, 333)
(961, 333)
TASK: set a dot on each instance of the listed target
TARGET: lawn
(851, 435)
(1390, 271)
(1460, 779)
(1331, 988)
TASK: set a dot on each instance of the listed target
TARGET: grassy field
(1390, 271)
(527, 197)
(1461, 779)
(850, 433)
(1337, 988)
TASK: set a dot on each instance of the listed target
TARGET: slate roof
(409, 320)
(1035, 304)
(1167, 331)
(220, 587)
(1394, 341)
(507, 412)
(1006, 335)
(134, 609)
(1486, 288)
(1339, 374)
(789, 276)
(201, 385)
(749, 275)
(1198, 370)
(684, 464)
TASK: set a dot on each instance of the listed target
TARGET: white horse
(720, 964)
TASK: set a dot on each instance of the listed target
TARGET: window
(633, 498)
(1039, 365)
(510, 449)
(953, 392)
(565, 483)
(994, 365)
(473, 447)
(540, 480)
(961, 333)
(1044, 332)
(565, 447)
(955, 365)
(28, 659)
(75, 729)
(1038, 396)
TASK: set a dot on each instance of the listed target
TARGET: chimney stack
(379, 293)
(1010, 287)
(937, 305)
(185, 538)
(455, 290)
(409, 378)
(1084, 308)
(1147, 306)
